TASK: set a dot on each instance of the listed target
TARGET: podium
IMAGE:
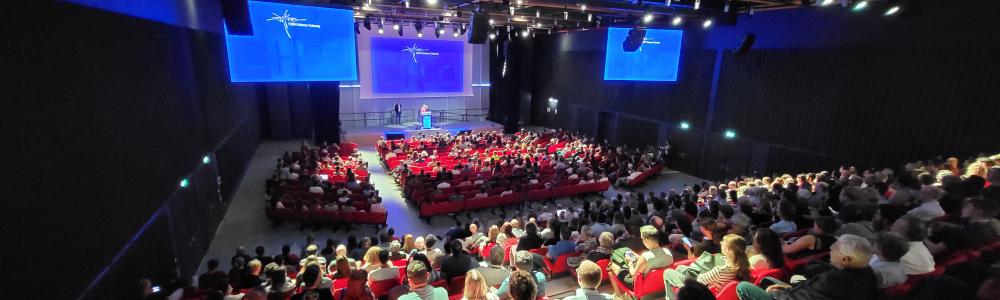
(425, 120)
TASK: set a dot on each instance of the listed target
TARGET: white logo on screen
(648, 40)
(288, 20)
(414, 51)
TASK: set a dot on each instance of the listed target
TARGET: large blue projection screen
(408, 66)
(294, 43)
(656, 60)
(416, 65)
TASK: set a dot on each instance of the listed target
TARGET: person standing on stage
(398, 108)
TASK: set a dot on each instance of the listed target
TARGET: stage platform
(367, 136)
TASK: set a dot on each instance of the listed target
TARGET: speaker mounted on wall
(479, 28)
(236, 13)
(634, 39)
(745, 43)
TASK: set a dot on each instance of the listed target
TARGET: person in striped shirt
(735, 267)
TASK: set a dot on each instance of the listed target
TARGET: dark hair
(694, 290)
(259, 250)
(916, 230)
(383, 256)
(891, 246)
(430, 240)
(419, 257)
(310, 275)
(531, 229)
(522, 286)
(212, 264)
(769, 244)
(827, 224)
(713, 209)
(786, 210)
(286, 249)
(456, 247)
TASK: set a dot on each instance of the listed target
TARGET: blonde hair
(493, 233)
(588, 274)
(408, 243)
(475, 285)
(371, 255)
(606, 239)
(737, 245)
(976, 169)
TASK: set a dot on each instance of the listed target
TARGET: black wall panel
(108, 113)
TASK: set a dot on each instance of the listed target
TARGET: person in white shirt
(889, 248)
(443, 185)
(917, 260)
(316, 190)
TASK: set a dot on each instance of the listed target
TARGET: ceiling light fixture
(677, 20)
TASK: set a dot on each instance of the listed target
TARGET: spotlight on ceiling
(583, 7)
(398, 28)
(860, 6)
(697, 4)
(420, 34)
(418, 26)
(892, 10)
(647, 18)
(827, 2)
(706, 24)
(677, 20)
(493, 36)
(685, 125)
(590, 17)
(462, 32)
(380, 31)
(730, 134)
(432, 2)
(368, 23)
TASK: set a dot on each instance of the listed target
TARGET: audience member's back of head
(521, 286)
(890, 246)
(694, 290)
(417, 272)
(943, 287)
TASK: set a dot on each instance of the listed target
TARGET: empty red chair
(758, 276)
(604, 263)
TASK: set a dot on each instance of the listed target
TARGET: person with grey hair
(523, 261)
(492, 269)
(396, 251)
(852, 278)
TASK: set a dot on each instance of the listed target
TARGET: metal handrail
(381, 118)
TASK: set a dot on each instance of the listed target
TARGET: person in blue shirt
(523, 261)
(786, 211)
(564, 245)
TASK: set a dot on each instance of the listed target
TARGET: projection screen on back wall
(408, 66)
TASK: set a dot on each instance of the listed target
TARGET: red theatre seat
(651, 283)
(559, 266)
(728, 292)
(381, 288)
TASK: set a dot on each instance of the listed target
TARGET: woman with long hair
(476, 288)
(767, 245)
(736, 267)
(409, 243)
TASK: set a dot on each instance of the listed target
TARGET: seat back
(381, 288)
(650, 283)
(457, 285)
(728, 292)
(604, 263)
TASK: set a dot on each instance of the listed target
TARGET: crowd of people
(481, 164)
(323, 178)
(844, 234)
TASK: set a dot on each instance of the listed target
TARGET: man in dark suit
(398, 108)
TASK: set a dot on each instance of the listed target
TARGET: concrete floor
(245, 224)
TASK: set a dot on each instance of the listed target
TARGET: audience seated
(768, 249)
(736, 266)
(418, 275)
(524, 264)
(851, 278)
(889, 248)
(476, 288)
(521, 287)
(588, 275)
(458, 263)
(818, 242)
(492, 269)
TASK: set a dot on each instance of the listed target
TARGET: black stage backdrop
(823, 86)
(105, 113)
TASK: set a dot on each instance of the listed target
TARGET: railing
(382, 118)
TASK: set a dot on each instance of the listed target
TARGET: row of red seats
(324, 217)
(968, 255)
(428, 209)
(645, 175)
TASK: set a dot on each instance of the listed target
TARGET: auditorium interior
(503, 149)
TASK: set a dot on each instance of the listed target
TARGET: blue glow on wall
(294, 43)
(401, 65)
(656, 60)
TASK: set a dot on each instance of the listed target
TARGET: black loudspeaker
(479, 28)
(325, 99)
(237, 16)
(389, 136)
(634, 40)
(745, 43)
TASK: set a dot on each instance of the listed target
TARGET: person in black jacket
(852, 278)
(530, 240)
(458, 263)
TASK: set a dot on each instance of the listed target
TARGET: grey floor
(245, 224)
